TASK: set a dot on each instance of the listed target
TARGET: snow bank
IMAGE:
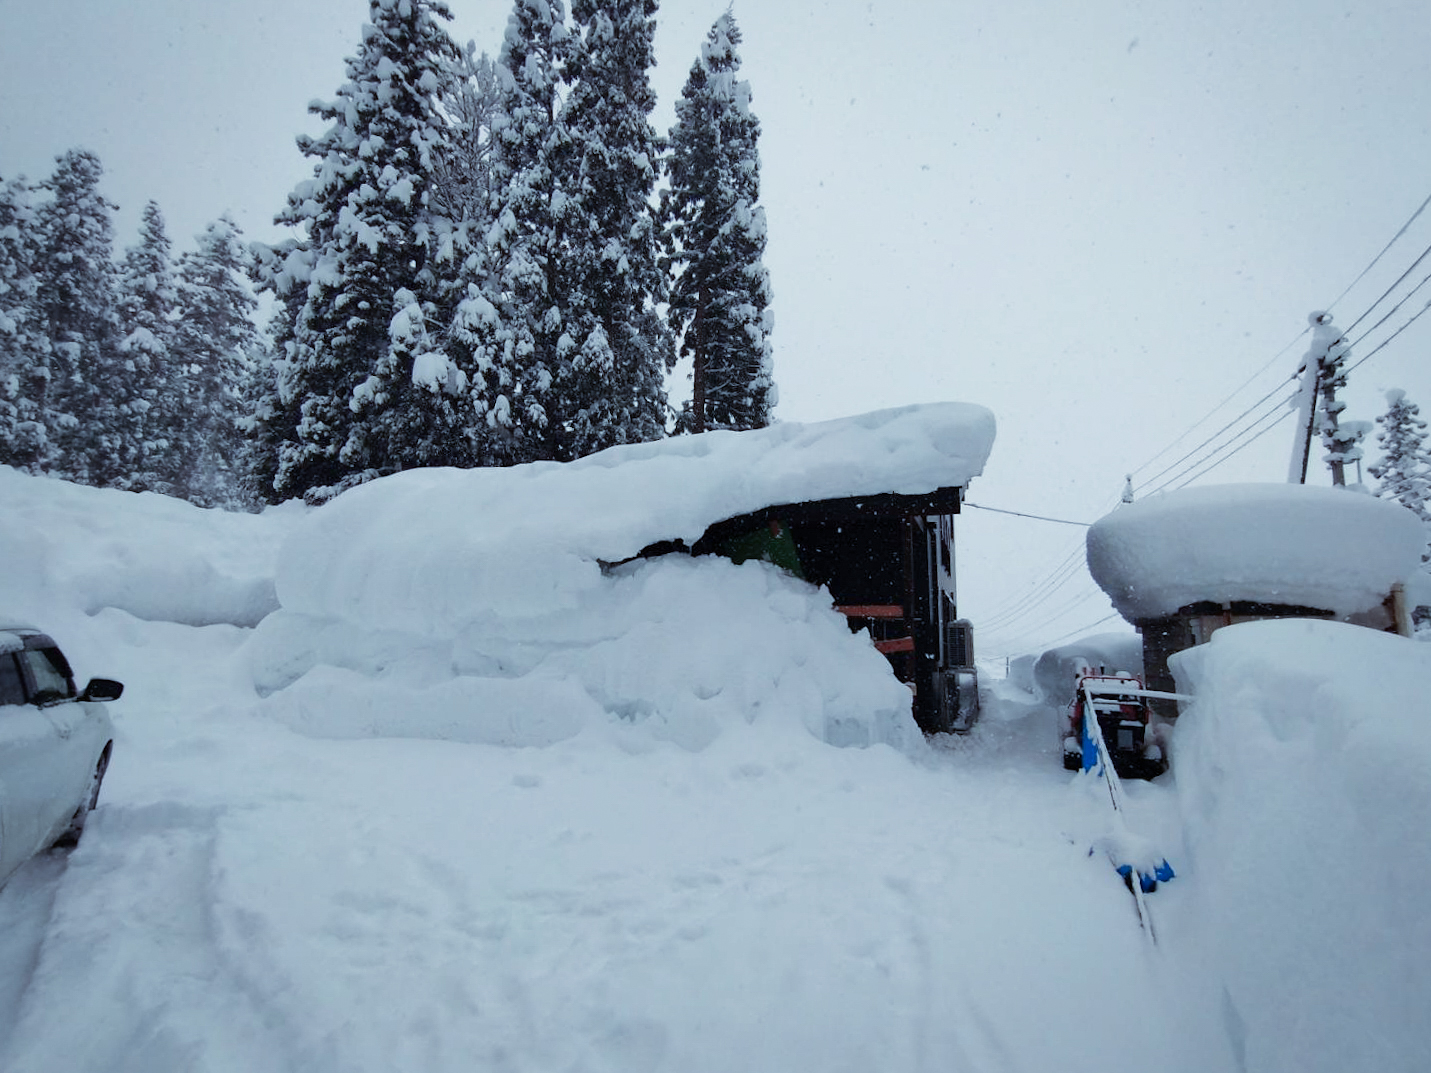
(1291, 544)
(1304, 772)
(66, 547)
(1053, 674)
(489, 586)
(672, 650)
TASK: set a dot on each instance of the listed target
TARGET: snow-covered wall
(1290, 544)
(1304, 772)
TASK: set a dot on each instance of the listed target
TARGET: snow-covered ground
(629, 821)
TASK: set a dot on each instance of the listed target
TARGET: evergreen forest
(488, 262)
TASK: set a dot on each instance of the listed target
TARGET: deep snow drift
(1304, 775)
(486, 590)
(1292, 544)
(609, 829)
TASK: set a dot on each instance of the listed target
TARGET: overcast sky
(1100, 219)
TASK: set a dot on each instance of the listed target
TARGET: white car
(54, 746)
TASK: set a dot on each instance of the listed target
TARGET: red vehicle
(1120, 704)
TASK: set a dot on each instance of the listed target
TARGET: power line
(1277, 420)
(1404, 228)
(1391, 312)
(1219, 432)
(1399, 279)
(1220, 453)
(1277, 357)
(1046, 645)
(1042, 591)
(1243, 387)
(1223, 446)
(1032, 602)
(1051, 617)
(1393, 335)
(1020, 514)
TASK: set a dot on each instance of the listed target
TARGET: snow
(152, 557)
(1304, 771)
(1054, 673)
(421, 553)
(1298, 545)
(601, 821)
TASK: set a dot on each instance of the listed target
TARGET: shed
(1181, 566)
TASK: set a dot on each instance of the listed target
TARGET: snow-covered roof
(429, 550)
(1326, 548)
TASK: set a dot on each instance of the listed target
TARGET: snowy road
(248, 898)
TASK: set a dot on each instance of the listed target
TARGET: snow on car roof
(13, 634)
(1295, 545)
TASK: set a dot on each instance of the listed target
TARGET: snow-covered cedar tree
(463, 173)
(1403, 472)
(267, 419)
(218, 348)
(369, 232)
(24, 351)
(561, 316)
(151, 409)
(618, 348)
(88, 383)
(715, 241)
(510, 321)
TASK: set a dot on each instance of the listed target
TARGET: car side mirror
(102, 689)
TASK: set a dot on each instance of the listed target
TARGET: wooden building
(888, 562)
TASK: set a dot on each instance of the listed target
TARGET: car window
(47, 668)
(12, 688)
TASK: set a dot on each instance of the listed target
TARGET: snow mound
(673, 650)
(1288, 544)
(1304, 773)
(1053, 673)
(67, 546)
(432, 576)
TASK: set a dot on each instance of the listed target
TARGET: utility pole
(1322, 373)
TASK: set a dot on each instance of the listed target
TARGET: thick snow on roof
(1327, 548)
(500, 570)
(428, 551)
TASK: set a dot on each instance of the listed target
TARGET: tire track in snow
(130, 978)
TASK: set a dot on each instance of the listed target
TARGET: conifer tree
(24, 351)
(510, 321)
(715, 232)
(464, 177)
(76, 303)
(149, 406)
(369, 234)
(613, 390)
(218, 346)
(1404, 471)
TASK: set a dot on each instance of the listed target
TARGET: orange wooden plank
(897, 644)
(871, 610)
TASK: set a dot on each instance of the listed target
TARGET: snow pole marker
(1095, 752)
